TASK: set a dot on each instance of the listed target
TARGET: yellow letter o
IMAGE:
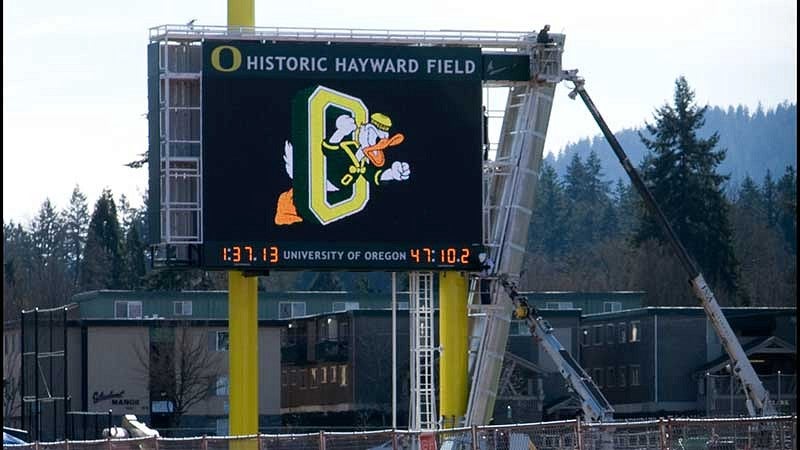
(237, 58)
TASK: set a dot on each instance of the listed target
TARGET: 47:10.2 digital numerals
(448, 255)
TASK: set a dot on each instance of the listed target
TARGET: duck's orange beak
(375, 152)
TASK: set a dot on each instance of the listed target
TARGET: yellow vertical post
(454, 340)
(241, 13)
(242, 311)
(243, 353)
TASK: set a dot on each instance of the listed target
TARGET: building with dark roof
(659, 361)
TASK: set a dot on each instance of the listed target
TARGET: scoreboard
(316, 155)
(341, 156)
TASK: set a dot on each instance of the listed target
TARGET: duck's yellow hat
(382, 121)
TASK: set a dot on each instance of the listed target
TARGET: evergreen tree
(787, 207)
(770, 202)
(575, 179)
(589, 217)
(682, 175)
(597, 189)
(751, 200)
(545, 232)
(18, 269)
(52, 285)
(47, 231)
(76, 225)
(102, 263)
(628, 206)
(134, 268)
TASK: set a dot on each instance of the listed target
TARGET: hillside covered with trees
(756, 141)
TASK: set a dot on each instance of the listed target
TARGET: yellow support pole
(241, 13)
(454, 340)
(242, 354)
(242, 312)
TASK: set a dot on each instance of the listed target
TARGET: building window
(610, 333)
(586, 339)
(622, 329)
(332, 370)
(324, 373)
(598, 335)
(598, 377)
(610, 377)
(621, 376)
(223, 340)
(558, 305)
(612, 306)
(128, 310)
(519, 328)
(182, 308)
(343, 376)
(344, 306)
(221, 387)
(222, 427)
(344, 330)
(327, 329)
(313, 377)
(635, 336)
(634, 380)
(287, 310)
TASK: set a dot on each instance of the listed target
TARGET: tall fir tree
(47, 230)
(770, 202)
(76, 225)
(787, 207)
(102, 263)
(19, 268)
(575, 179)
(589, 217)
(545, 231)
(628, 207)
(751, 200)
(52, 285)
(683, 177)
(134, 268)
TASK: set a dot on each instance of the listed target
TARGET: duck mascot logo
(332, 172)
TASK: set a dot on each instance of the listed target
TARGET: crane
(757, 397)
(594, 405)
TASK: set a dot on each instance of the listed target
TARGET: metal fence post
(258, 436)
(474, 432)
(578, 433)
(108, 441)
(155, 442)
(394, 439)
(662, 433)
(204, 443)
(321, 440)
(110, 421)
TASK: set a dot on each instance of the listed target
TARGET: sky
(75, 85)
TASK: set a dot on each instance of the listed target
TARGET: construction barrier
(763, 433)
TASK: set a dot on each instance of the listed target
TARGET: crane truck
(757, 397)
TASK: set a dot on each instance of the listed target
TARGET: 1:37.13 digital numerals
(248, 254)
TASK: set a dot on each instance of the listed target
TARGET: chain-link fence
(764, 433)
